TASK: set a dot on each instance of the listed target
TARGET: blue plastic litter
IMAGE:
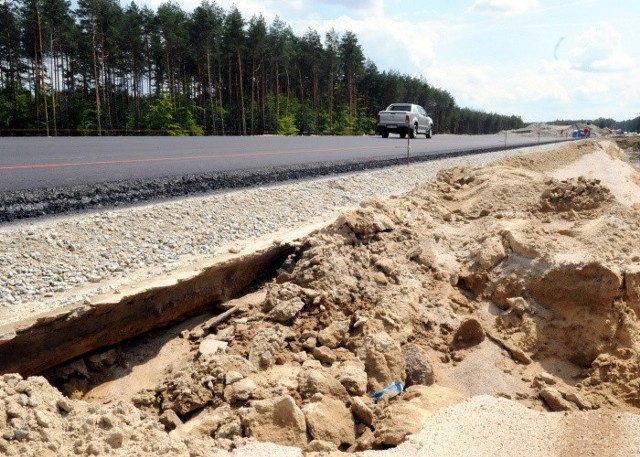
(390, 390)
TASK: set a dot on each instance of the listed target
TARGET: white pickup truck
(404, 118)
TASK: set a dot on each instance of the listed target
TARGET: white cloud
(556, 66)
(472, 84)
(392, 43)
(533, 87)
(557, 90)
(599, 49)
(503, 6)
(489, 88)
(591, 88)
(371, 6)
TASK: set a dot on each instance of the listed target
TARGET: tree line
(107, 69)
(630, 125)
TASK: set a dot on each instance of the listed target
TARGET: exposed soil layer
(508, 281)
(78, 329)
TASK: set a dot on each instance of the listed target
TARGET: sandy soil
(504, 298)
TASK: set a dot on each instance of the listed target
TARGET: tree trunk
(96, 76)
(241, 84)
(211, 101)
(253, 94)
(331, 102)
(41, 74)
(264, 100)
(220, 97)
(54, 86)
(277, 96)
(107, 86)
(302, 108)
(316, 104)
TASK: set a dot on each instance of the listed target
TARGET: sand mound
(501, 281)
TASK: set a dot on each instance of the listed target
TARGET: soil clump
(508, 281)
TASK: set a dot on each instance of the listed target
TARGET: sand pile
(501, 284)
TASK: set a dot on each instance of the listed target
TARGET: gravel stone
(54, 261)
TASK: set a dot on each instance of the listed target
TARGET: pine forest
(105, 69)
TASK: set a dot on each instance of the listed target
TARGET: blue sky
(540, 59)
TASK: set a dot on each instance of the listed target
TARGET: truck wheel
(414, 131)
(384, 134)
(429, 133)
(403, 134)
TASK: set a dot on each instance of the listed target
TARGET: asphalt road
(28, 163)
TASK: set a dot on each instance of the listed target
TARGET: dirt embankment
(500, 281)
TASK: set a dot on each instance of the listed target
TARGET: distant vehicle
(403, 118)
(581, 133)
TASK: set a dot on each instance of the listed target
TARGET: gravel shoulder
(53, 262)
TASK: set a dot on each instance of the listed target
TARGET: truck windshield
(400, 108)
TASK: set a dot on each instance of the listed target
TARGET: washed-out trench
(33, 346)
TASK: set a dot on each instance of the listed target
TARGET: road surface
(28, 163)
